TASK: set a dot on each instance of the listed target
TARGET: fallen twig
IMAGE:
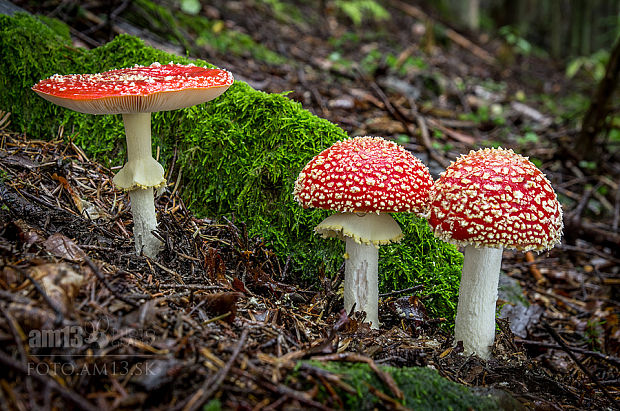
(609, 358)
(48, 382)
(107, 284)
(403, 291)
(211, 385)
(570, 353)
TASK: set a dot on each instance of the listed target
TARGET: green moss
(423, 388)
(423, 259)
(240, 154)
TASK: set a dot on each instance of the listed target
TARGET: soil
(215, 315)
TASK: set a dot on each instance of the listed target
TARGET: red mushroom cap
(364, 174)
(136, 89)
(495, 198)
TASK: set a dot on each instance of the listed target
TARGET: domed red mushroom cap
(496, 198)
(364, 174)
(136, 89)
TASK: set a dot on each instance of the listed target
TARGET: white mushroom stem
(144, 221)
(475, 316)
(139, 176)
(361, 287)
(138, 135)
(362, 233)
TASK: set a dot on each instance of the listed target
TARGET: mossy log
(239, 155)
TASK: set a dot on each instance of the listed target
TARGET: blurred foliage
(512, 37)
(239, 154)
(593, 65)
(284, 11)
(191, 6)
(214, 34)
(172, 25)
(359, 10)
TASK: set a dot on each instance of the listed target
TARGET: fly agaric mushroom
(135, 93)
(363, 178)
(486, 201)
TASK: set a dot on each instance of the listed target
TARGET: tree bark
(594, 119)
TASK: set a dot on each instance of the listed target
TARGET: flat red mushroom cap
(136, 89)
(495, 198)
(364, 174)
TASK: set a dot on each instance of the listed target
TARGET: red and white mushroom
(135, 93)
(363, 178)
(489, 200)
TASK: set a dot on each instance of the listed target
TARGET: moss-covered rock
(423, 388)
(240, 154)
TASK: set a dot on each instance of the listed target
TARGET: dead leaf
(521, 317)
(410, 308)
(60, 282)
(385, 125)
(64, 247)
(222, 303)
(238, 285)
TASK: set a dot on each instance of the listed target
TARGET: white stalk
(360, 280)
(475, 316)
(144, 221)
(139, 176)
(138, 135)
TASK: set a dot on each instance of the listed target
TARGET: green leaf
(191, 6)
(573, 67)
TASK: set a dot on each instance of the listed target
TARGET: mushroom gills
(365, 228)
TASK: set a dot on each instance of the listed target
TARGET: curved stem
(361, 285)
(475, 316)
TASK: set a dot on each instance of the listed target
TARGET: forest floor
(218, 317)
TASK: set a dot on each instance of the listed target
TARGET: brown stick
(423, 137)
(587, 372)
(211, 385)
(403, 291)
(457, 38)
(540, 279)
(609, 358)
(107, 284)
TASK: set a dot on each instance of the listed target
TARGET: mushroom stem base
(361, 285)
(475, 314)
(144, 221)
